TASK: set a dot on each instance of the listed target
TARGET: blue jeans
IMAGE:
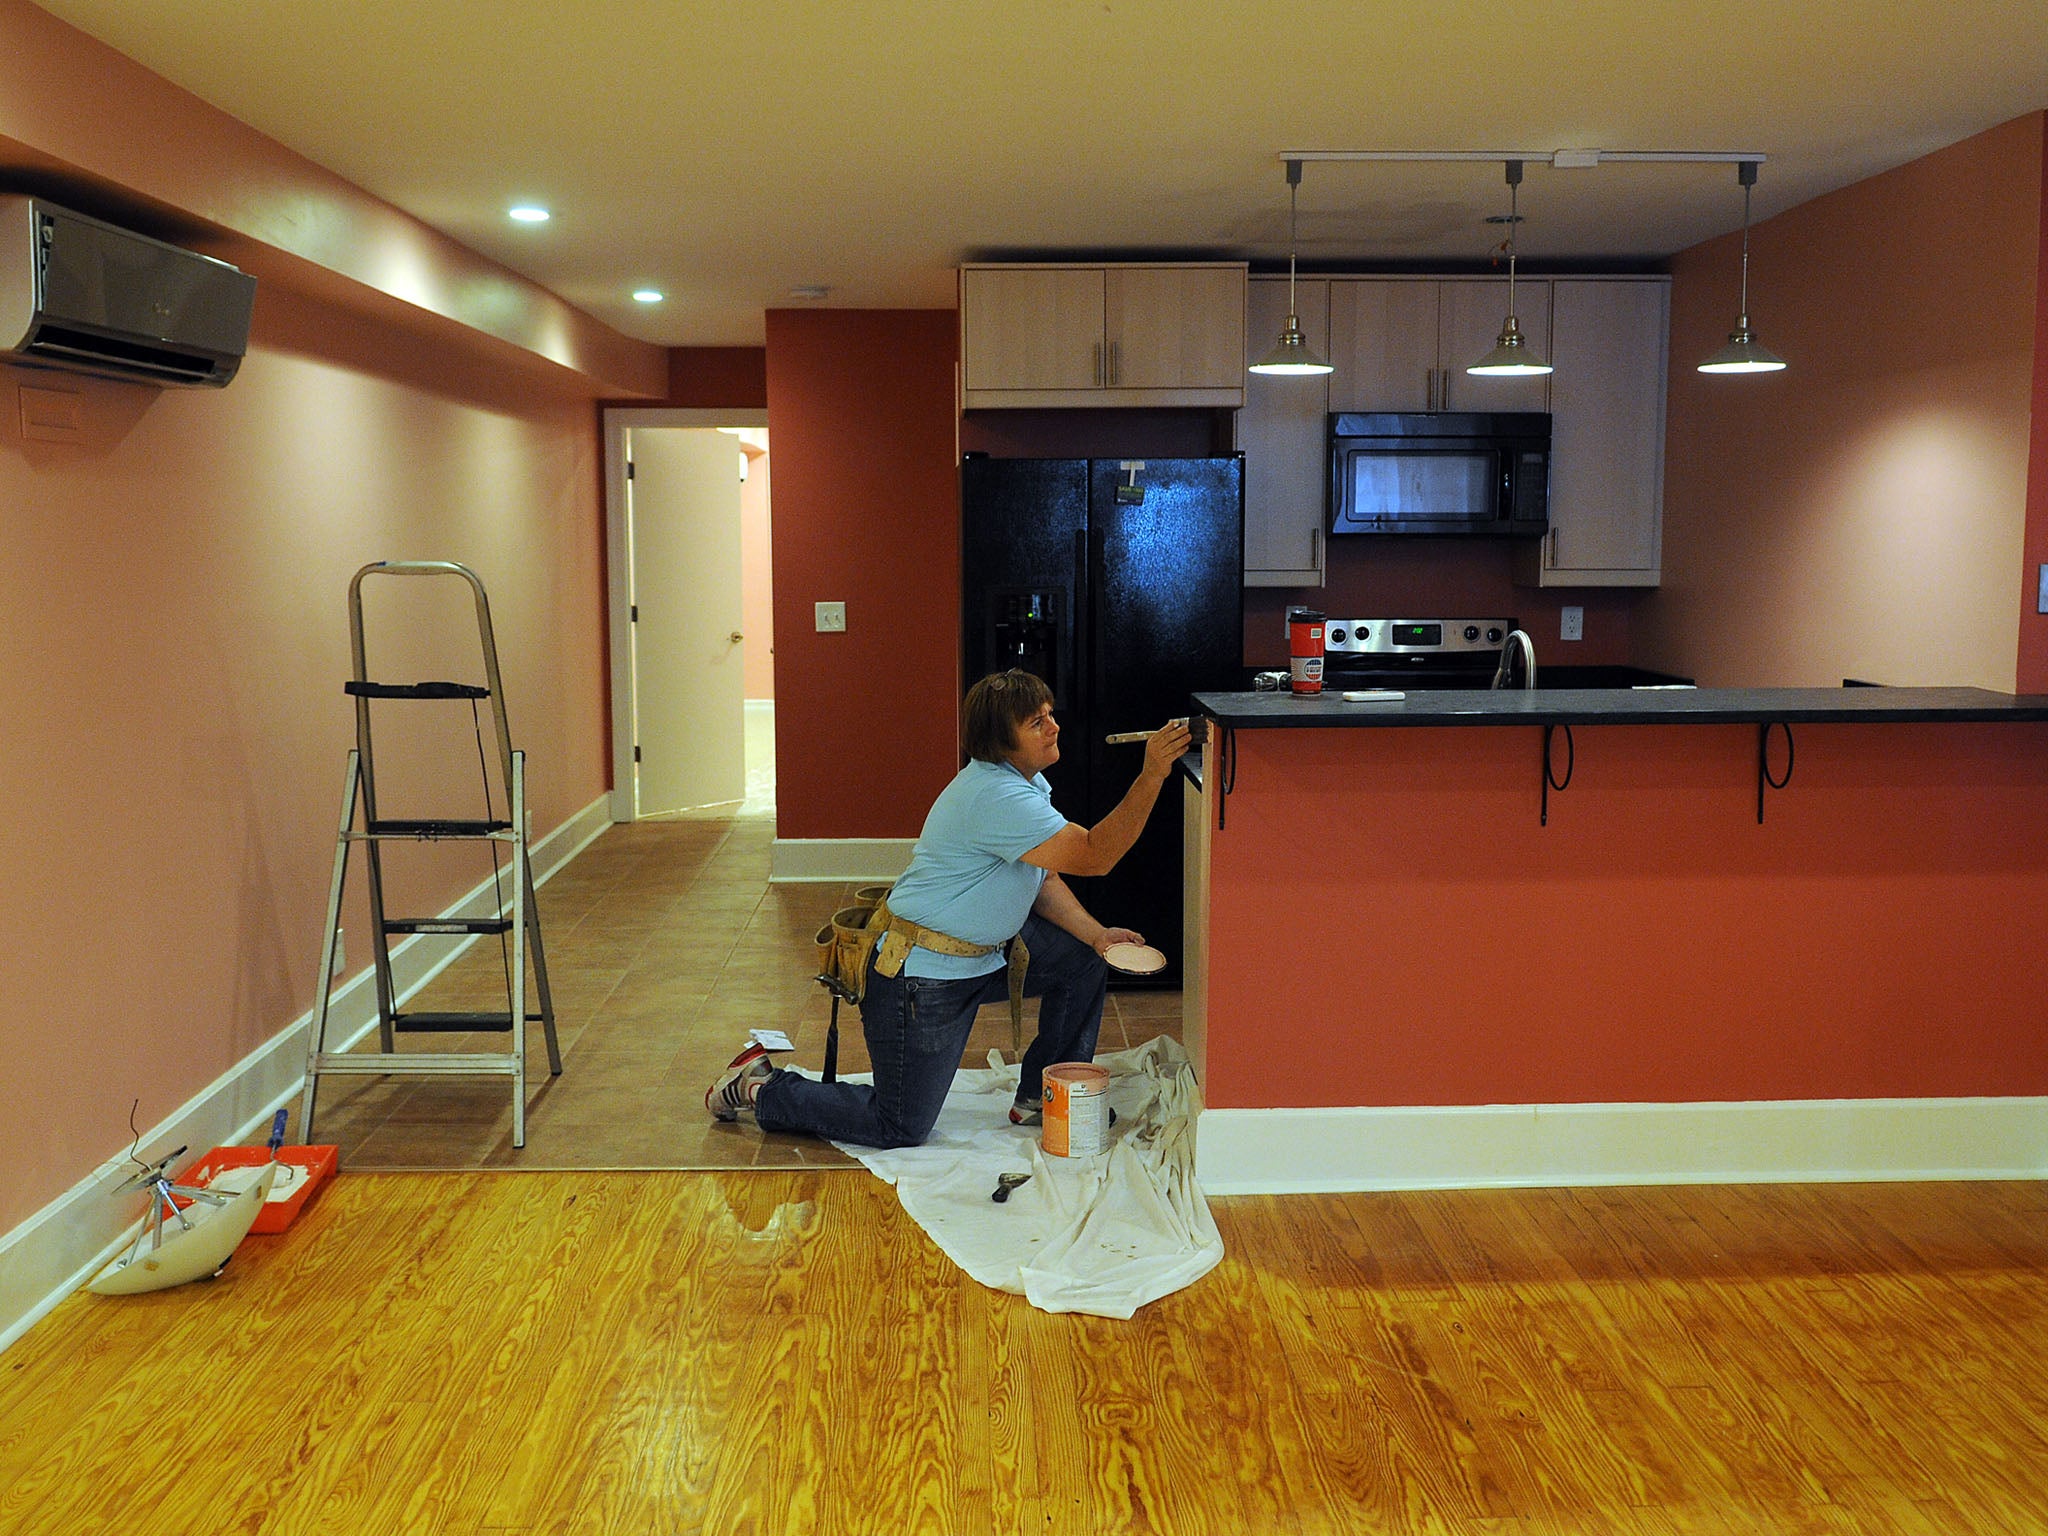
(917, 1028)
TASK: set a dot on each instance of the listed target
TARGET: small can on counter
(1305, 649)
(1076, 1096)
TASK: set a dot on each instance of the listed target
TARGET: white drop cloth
(1102, 1235)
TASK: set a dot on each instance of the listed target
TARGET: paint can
(1076, 1118)
(1305, 650)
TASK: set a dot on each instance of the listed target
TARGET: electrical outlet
(1572, 624)
(340, 951)
(831, 618)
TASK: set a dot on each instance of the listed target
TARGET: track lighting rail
(1557, 159)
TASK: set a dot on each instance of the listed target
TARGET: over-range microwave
(1440, 472)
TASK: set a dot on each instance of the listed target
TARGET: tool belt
(889, 939)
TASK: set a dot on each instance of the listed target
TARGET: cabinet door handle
(1315, 549)
(1551, 559)
(1096, 356)
(1116, 362)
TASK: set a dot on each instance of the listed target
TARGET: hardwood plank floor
(785, 1351)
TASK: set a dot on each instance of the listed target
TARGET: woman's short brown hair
(996, 706)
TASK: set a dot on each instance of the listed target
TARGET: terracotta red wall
(861, 420)
(2032, 670)
(716, 378)
(1876, 936)
(1863, 513)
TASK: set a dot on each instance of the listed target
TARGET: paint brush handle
(1198, 733)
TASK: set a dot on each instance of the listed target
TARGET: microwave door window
(1397, 489)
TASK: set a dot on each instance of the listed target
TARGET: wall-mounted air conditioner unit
(83, 295)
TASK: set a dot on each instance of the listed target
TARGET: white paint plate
(1134, 959)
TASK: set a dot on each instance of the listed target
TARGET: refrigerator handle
(1081, 657)
(1091, 653)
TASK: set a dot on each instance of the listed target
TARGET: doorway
(690, 576)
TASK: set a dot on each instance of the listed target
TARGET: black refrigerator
(1121, 583)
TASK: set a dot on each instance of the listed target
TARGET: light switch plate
(1571, 623)
(2041, 598)
(831, 618)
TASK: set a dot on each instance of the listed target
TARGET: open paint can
(1076, 1109)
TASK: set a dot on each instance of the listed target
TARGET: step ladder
(521, 926)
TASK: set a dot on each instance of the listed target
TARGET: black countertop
(1625, 706)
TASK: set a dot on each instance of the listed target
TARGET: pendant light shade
(1511, 356)
(1291, 354)
(1744, 353)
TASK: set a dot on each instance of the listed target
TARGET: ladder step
(447, 925)
(457, 1023)
(416, 690)
(427, 1063)
(438, 828)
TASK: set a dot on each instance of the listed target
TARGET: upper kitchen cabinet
(1120, 334)
(1281, 431)
(1611, 340)
(1403, 343)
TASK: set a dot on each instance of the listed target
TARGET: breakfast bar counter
(1621, 936)
(1620, 706)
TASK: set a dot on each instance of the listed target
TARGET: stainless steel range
(1412, 653)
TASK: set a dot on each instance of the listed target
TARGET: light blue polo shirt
(965, 876)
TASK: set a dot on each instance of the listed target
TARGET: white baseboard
(64, 1244)
(1300, 1151)
(794, 859)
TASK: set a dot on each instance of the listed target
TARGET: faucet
(1517, 640)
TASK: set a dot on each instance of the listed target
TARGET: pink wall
(173, 582)
(172, 612)
(1862, 514)
(757, 577)
(867, 511)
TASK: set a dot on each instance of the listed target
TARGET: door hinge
(633, 614)
(636, 751)
(629, 469)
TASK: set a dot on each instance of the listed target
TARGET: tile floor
(666, 943)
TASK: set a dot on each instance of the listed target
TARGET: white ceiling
(726, 153)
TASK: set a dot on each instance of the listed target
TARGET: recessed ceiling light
(527, 213)
(810, 290)
(648, 295)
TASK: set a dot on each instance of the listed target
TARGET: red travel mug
(1305, 650)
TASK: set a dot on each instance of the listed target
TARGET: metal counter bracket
(1550, 779)
(1763, 763)
(1226, 767)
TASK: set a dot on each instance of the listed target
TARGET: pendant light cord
(1748, 174)
(1293, 189)
(1514, 218)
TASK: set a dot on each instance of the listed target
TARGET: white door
(689, 712)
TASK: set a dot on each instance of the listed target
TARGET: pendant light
(1510, 357)
(1743, 353)
(1291, 354)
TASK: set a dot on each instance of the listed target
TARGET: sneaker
(742, 1079)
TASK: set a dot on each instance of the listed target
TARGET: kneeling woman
(983, 880)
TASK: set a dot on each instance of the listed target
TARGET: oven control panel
(1407, 637)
